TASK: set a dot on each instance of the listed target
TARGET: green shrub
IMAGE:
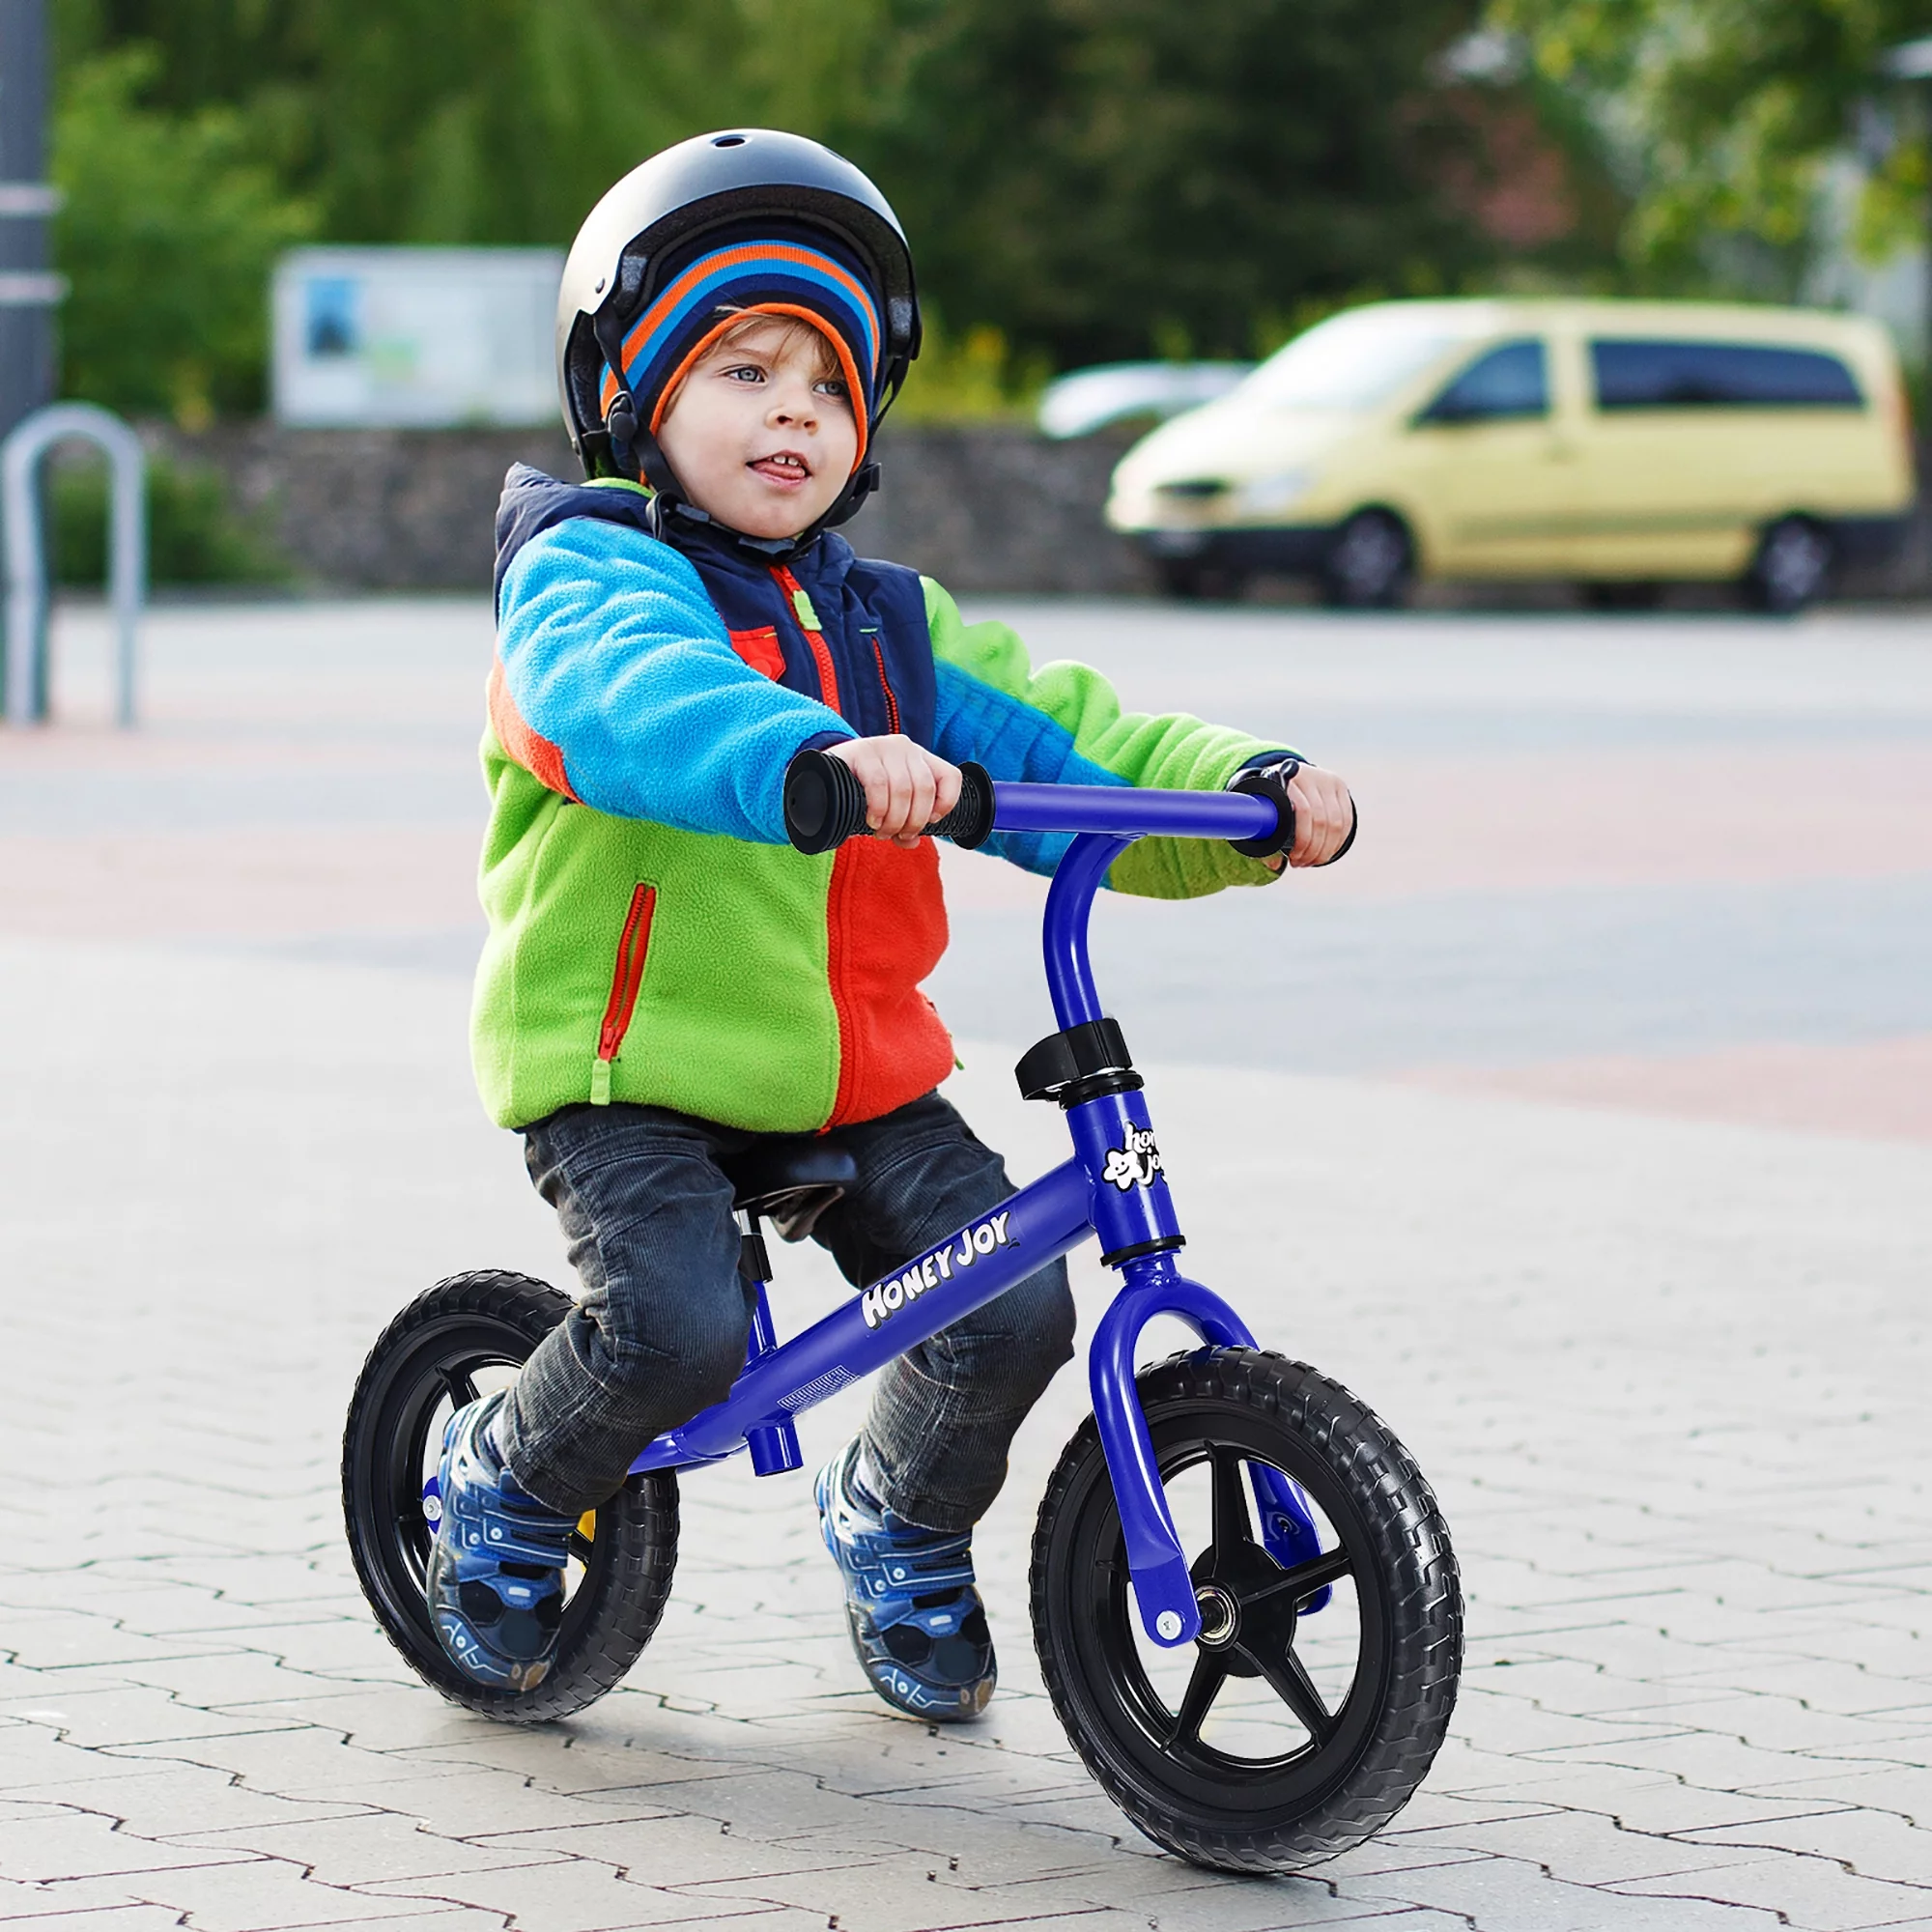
(193, 534)
(168, 233)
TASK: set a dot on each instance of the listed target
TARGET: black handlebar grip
(970, 822)
(825, 805)
(1268, 781)
(824, 802)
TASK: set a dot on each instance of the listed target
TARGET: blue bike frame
(1113, 1188)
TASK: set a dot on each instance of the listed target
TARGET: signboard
(378, 338)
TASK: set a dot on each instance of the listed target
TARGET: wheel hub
(1220, 1617)
(1224, 1579)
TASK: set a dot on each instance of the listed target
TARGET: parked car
(1090, 399)
(1621, 445)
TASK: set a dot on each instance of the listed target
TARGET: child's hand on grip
(906, 787)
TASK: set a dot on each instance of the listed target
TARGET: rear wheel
(1792, 568)
(1370, 565)
(463, 1338)
(1277, 1738)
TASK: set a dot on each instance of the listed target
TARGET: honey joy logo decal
(1134, 1165)
(885, 1298)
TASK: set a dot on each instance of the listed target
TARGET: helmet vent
(728, 140)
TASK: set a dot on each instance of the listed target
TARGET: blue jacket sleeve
(611, 654)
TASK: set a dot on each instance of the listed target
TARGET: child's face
(759, 435)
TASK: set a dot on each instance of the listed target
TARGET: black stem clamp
(1080, 1063)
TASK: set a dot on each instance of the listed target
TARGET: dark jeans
(660, 1331)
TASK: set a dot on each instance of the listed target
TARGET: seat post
(773, 1445)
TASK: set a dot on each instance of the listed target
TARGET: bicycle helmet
(746, 217)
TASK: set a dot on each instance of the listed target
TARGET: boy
(666, 980)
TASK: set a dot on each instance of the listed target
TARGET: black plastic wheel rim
(434, 1371)
(1250, 1604)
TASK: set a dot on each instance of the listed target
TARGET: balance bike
(1246, 1608)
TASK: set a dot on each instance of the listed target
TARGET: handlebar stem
(1069, 902)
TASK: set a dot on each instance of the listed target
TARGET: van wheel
(1792, 567)
(1370, 563)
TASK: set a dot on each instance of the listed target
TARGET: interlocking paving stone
(251, 1893)
(67, 1843)
(578, 1895)
(108, 1919)
(1666, 1375)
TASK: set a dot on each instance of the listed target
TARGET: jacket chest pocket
(761, 650)
(627, 975)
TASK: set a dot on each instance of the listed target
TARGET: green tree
(498, 121)
(1722, 116)
(168, 234)
(1106, 178)
(1086, 178)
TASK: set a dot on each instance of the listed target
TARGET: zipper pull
(600, 1082)
(801, 604)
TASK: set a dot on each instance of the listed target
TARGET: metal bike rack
(27, 680)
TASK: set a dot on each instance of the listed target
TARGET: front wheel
(460, 1339)
(1279, 1738)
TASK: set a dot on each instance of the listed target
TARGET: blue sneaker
(495, 1570)
(911, 1603)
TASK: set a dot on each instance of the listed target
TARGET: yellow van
(1622, 445)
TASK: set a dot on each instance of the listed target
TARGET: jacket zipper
(626, 978)
(885, 685)
(814, 633)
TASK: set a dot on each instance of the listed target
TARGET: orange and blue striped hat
(709, 285)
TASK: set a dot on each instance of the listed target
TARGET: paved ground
(1580, 1122)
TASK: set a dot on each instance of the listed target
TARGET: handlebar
(825, 805)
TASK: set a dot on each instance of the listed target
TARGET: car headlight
(1267, 495)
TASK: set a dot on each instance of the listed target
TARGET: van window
(1351, 361)
(1632, 375)
(1512, 381)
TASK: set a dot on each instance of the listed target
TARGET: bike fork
(1163, 1589)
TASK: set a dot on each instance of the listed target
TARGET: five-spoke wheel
(1313, 1701)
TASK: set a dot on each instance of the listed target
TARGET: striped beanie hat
(708, 286)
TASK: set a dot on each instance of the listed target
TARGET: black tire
(1370, 563)
(425, 1361)
(1386, 1552)
(1793, 567)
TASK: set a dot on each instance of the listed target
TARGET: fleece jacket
(653, 936)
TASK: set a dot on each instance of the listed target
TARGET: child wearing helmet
(667, 982)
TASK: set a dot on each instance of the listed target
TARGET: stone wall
(980, 508)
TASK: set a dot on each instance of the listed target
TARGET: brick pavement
(1667, 1374)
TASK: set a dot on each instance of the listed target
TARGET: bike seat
(789, 1183)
